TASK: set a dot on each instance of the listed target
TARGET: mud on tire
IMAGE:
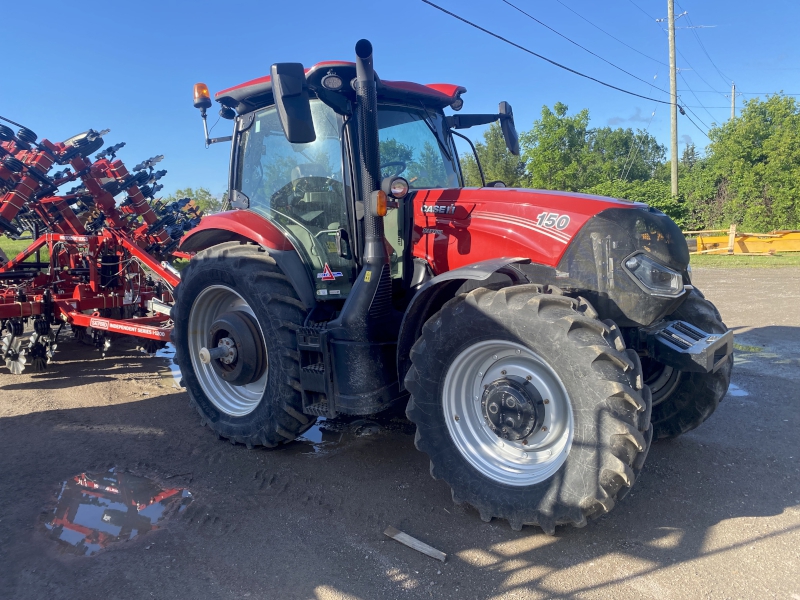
(683, 400)
(250, 272)
(603, 382)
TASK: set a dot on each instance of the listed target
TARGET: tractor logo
(328, 275)
(439, 209)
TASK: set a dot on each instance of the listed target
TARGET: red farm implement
(105, 270)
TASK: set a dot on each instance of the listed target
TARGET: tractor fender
(246, 226)
(434, 293)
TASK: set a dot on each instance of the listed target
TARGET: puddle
(737, 392)
(169, 371)
(95, 510)
(327, 434)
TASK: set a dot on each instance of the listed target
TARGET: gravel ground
(714, 513)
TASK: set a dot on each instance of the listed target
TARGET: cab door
(300, 188)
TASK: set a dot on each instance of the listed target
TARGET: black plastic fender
(432, 295)
(289, 261)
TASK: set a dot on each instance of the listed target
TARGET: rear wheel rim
(504, 461)
(233, 400)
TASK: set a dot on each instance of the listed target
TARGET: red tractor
(540, 339)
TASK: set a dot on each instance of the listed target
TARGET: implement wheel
(683, 400)
(529, 407)
(235, 318)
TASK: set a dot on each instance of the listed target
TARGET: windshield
(409, 147)
(300, 188)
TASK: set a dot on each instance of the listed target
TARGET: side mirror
(290, 89)
(509, 129)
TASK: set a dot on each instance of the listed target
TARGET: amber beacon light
(202, 99)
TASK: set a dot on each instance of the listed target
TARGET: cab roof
(257, 93)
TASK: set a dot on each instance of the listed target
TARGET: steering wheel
(299, 187)
(395, 163)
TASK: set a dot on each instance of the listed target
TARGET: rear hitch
(683, 346)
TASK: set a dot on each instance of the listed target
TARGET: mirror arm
(467, 121)
(475, 152)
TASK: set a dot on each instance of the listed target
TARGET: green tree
(203, 198)
(654, 192)
(689, 157)
(556, 150)
(754, 161)
(428, 169)
(623, 154)
(497, 162)
(393, 151)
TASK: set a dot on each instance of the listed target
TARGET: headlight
(654, 277)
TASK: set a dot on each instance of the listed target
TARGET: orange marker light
(202, 99)
(379, 203)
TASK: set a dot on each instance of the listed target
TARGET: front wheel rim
(518, 462)
(233, 400)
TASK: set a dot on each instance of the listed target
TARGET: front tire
(569, 463)
(241, 288)
(683, 400)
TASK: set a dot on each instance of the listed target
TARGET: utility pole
(733, 100)
(673, 88)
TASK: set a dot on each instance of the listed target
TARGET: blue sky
(130, 66)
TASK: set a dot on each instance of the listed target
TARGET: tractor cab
(308, 187)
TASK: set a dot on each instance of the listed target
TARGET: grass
(14, 247)
(788, 259)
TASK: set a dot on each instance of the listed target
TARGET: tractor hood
(574, 241)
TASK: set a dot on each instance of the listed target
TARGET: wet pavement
(714, 513)
(95, 510)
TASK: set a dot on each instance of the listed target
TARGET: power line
(695, 96)
(611, 36)
(652, 18)
(698, 74)
(744, 93)
(695, 124)
(695, 116)
(703, 47)
(552, 62)
(624, 174)
(583, 47)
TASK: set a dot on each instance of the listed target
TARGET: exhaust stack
(368, 153)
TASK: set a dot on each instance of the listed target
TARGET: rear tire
(683, 400)
(574, 360)
(244, 279)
